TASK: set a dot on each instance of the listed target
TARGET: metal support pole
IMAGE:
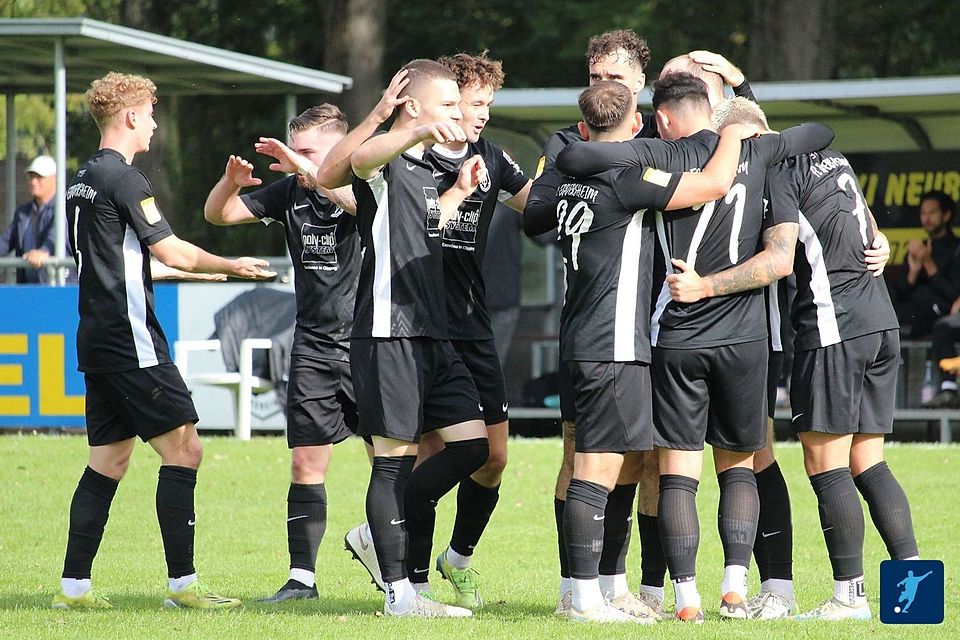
(290, 107)
(11, 158)
(60, 106)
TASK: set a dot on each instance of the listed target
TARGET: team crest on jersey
(319, 247)
(461, 231)
(485, 183)
(432, 198)
(150, 211)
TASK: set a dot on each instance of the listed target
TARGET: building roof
(894, 114)
(93, 48)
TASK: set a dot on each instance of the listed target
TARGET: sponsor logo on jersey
(657, 177)
(432, 198)
(319, 247)
(460, 231)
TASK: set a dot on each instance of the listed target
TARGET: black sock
(475, 505)
(429, 482)
(89, 510)
(616, 530)
(773, 547)
(306, 523)
(889, 510)
(385, 516)
(653, 564)
(737, 515)
(679, 526)
(558, 508)
(175, 489)
(841, 520)
(583, 524)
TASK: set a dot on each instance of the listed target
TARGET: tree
(792, 40)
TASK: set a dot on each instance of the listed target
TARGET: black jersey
(539, 214)
(778, 310)
(325, 250)
(400, 291)
(113, 219)
(606, 235)
(837, 298)
(711, 237)
(464, 238)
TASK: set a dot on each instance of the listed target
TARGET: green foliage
(241, 550)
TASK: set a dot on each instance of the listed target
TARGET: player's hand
(441, 132)
(287, 160)
(391, 100)
(718, 64)
(36, 257)
(472, 173)
(251, 269)
(686, 285)
(878, 254)
(240, 172)
(743, 131)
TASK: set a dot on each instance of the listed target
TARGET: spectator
(31, 234)
(932, 280)
(946, 334)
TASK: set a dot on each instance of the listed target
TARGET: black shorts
(406, 386)
(774, 369)
(715, 395)
(320, 405)
(848, 387)
(481, 359)
(613, 405)
(568, 402)
(140, 402)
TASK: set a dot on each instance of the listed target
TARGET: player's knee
(306, 467)
(472, 454)
(191, 453)
(492, 470)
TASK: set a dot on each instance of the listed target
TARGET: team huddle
(676, 229)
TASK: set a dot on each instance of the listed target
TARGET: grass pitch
(241, 550)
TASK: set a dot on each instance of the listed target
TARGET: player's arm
(223, 205)
(335, 171)
(160, 271)
(518, 201)
(731, 74)
(717, 176)
(472, 173)
(775, 261)
(379, 150)
(878, 254)
(584, 159)
(804, 138)
(540, 210)
(184, 256)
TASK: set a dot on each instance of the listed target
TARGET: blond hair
(114, 92)
(739, 110)
(326, 116)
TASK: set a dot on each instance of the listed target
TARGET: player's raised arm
(335, 171)
(182, 255)
(379, 150)
(223, 205)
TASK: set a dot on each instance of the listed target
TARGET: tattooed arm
(775, 261)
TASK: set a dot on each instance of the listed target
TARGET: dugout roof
(881, 115)
(92, 48)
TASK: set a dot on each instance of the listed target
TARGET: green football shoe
(465, 582)
(196, 596)
(89, 600)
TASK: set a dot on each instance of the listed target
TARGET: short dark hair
(680, 87)
(605, 105)
(478, 69)
(421, 71)
(946, 202)
(326, 116)
(608, 42)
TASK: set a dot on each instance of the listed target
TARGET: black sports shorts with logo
(407, 386)
(613, 407)
(848, 387)
(774, 369)
(481, 359)
(715, 395)
(140, 402)
(320, 404)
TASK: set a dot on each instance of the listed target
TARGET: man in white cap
(31, 234)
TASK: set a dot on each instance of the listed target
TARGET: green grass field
(241, 549)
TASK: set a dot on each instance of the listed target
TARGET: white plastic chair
(243, 384)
